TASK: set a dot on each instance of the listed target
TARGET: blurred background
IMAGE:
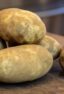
(50, 11)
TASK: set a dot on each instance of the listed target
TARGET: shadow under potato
(43, 80)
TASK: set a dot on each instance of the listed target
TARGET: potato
(21, 26)
(24, 63)
(52, 45)
(62, 58)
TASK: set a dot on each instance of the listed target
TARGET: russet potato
(52, 45)
(24, 63)
(21, 26)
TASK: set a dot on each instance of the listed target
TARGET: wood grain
(52, 83)
(59, 38)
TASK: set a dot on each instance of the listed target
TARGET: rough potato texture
(52, 45)
(24, 63)
(62, 59)
(21, 26)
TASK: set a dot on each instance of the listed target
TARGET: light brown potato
(21, 26)
(52, 45)
(24, 63)
(62, 58)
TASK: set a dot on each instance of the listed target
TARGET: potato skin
(21, 26)
(24, 63)
(62, 59)
(52, 45)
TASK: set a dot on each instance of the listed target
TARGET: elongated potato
(24, 63)
(21, 26)
(52, 45)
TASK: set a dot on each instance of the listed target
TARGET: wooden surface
(52, 83)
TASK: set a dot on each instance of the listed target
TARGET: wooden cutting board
(52, 83)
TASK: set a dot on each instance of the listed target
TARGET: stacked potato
(33, 51)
